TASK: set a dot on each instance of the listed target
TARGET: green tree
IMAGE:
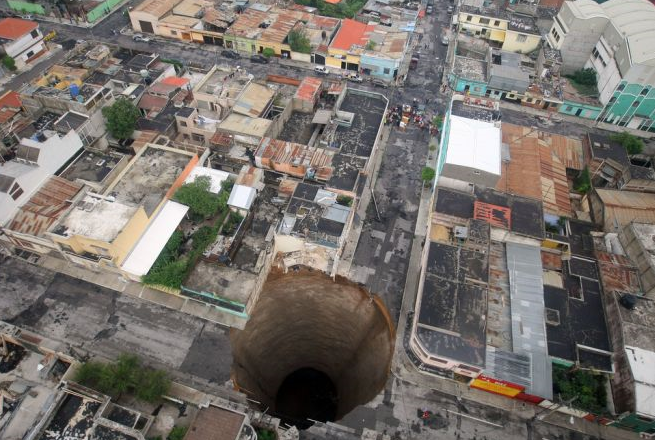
(153, 384)
(197, 196)
(585, 77)
(298, 41)
(171, 275)
(268, 52)
(9, 62)
(632, 143)
(370, 45)
(90, 373)
(427, 174)
(121, 118)
(122, 376)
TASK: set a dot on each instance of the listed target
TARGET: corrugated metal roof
(527, 311)
(623, 207)
(308, 89)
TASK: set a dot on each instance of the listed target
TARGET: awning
(151, 243)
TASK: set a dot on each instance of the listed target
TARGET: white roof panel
(474, 144)
(151, 243)
(641, 363)
(242, 196)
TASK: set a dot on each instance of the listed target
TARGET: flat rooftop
(638, 324)
(523, 216)
(470, 68)
(458, 108)
(223, 82)
(453, 306)
(215, 423)
(92, 166)
(575, 318)
(149, 177)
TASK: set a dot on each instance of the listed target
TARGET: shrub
(197, 196)
(268, 52)
(344, 200)
(298, 41)
(585, 77)
(9, 62)
(427, 174)
(632, 143)
(177, 433)
(583, 183)
(587, 388)
(124, 376)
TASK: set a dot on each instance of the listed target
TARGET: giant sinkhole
(313, 348)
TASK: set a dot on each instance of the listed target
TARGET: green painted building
(631, 105)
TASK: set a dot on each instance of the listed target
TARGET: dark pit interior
(313, 348)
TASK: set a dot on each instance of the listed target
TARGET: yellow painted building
(100, 230)
(509, 32)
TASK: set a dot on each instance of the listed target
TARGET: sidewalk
(118, 283)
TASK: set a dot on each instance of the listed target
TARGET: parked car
(450, 9)
(27, 17)
(321, 70)
(354, 77)
(230, 54)
(379, 83)
(445, 40)
(428, 10)
(259, 59)
(141, 38)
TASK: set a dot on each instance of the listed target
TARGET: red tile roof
(10, 99)
(175, 81)
(309, 89)
(351, 33)
(14, 28)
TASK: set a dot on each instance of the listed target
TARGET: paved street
(104, 323)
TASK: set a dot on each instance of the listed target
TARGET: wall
(513, 42)
(17, 47)
(637, 254)
(470, 175)
(377, 65)
(20, 6)
(584, 111)
(577, 38)
(460, 84)
(137, 16)
(495, 29)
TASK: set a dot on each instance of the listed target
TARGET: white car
(445, 40)
(321, 70)
(141, 38)
(355, 78)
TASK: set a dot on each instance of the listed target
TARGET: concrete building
(632, 328)
(22, 40)
(615, 39)
(471, 143)
(36, 161)
(637, 241)
(103, 230)
(510, 32)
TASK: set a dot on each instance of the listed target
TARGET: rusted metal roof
(294, 159)
(495, 215)
(617, 273)
(152, 102)
(283, 23)
(309, 89)
(623, 207)
(537, 167)
(222, 139)
(44, 208)
(247, 24)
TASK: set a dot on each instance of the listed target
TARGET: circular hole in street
(313, 348)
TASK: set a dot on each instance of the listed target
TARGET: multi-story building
(22, 40)
(614, 39)
(510, 32)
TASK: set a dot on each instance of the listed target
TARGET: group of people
(403, 115)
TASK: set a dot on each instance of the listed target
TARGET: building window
(569, 108)
(636, 103)
(183, 123)
(173, 32)
(497, 23)
(16, 191)
(34, 33)
(29, 53)
(554, 33)
(612, 100)
(386, 71)
(644, 92)
(484, 21)
(621, 87)
(469, 18)
(521, 38)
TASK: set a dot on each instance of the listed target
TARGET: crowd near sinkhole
(314, 348)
